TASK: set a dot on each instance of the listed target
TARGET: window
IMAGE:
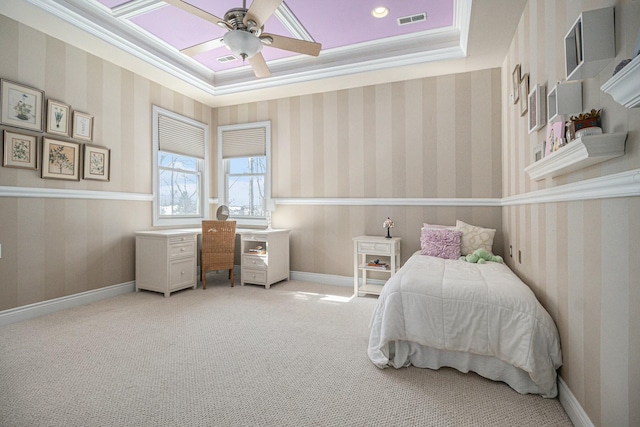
(180, 179)
(244, 171)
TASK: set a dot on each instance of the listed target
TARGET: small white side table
(373, 247)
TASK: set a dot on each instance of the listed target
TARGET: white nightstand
(367, 248)
(265, 256)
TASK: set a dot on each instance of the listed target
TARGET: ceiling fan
(245, 37)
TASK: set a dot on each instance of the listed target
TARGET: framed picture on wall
(515, 84)
(21, 106)
(524, 92)
(58, 117)
(537, 101)
(60, 159)
(20, 150)
(97, 162)
(82, 126)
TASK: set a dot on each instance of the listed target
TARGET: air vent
(227, 58)
(406, 20)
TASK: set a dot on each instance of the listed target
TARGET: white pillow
(474, 238)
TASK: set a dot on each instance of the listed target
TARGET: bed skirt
(403, 353)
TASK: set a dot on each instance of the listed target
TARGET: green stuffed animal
(481, 256)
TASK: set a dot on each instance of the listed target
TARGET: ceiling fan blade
(293, 45)
(202, 47)
(259, 65)
(194, 11)
(260, 11)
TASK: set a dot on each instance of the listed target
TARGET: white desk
(167, 259)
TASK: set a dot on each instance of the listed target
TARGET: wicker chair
(218, 247)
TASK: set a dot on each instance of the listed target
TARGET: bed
(436, 312)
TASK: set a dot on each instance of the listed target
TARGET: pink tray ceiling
(333, 23)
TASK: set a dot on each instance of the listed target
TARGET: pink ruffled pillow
(440, 242)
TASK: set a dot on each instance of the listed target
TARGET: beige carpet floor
(293, 355)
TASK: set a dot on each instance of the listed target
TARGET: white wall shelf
(578, 154)
(590, 44)
(624, 87)
(565, 98)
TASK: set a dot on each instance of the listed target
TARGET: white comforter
(478, 309)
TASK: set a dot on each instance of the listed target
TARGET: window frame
(202, 170)
(223, 174)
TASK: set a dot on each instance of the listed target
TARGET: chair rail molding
(623, 184)
(63, 193)
(389, 201)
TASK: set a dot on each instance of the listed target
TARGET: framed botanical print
(21, 105)
(20, 150)
(60, 159)
(82, 126)
(97, 163)
(58, 117)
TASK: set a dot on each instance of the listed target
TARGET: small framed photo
(82, 126)
(555, 137)
(58, 117)
(97, 163)
(515, 81)
(20, 150)
(60, 159)
(537, 102)
(22, 106)
(523, 94)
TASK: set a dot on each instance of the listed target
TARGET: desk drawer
(182, 273)
(374, 248)
(181, 250)
(254, 276)
(255, 262)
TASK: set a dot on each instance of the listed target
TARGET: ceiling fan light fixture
(242, 43)
(380, 12)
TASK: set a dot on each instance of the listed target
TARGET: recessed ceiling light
(380, 12)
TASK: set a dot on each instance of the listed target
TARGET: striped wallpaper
(580, 257)
(435, 137)
(58, 247)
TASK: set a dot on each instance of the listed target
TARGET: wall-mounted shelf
(578, 154)
(590, 44)
(624, 87)
(565, 98)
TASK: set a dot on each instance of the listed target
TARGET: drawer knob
(181, 249)
(253, 261)
(182, 272)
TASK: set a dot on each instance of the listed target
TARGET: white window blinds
(180, 137)
(250, 142)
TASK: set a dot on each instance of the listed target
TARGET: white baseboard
(571, 406)
(30, 311)
(329, 279)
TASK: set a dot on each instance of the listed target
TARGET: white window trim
(222, 191)
(204, 196)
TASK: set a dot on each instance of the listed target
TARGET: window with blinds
(180, 177)
(244, 172)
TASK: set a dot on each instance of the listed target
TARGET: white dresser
(265, 256)
(166, 260)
